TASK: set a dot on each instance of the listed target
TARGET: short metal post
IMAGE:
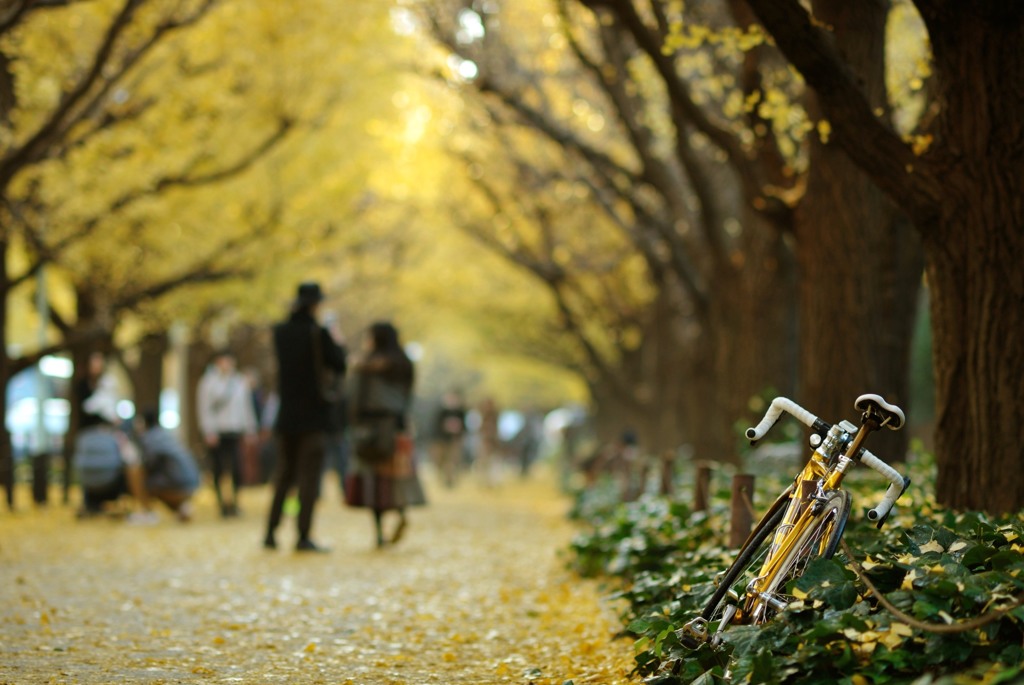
(667, 475)
(702, 487)
(742, 509)
(40, 477)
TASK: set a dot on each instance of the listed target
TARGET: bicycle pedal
(694, 633)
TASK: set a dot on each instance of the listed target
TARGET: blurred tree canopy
(192, 161)
(679, 128)
(692, 106)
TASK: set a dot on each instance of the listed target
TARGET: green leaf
(1007, 676)
(925, 609)
(842, 596)
(638, 626)
(976, 556)
(1006, 560)
(744, 639)
(822, 572)
(886, 577)
(763, 670)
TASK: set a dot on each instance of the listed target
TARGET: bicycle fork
(695, 631)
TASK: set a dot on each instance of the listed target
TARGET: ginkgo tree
(674, 354)
(730, 87)
(960, 187)
(690, 105)
(153, 145)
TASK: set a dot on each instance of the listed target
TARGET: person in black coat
(305, 352)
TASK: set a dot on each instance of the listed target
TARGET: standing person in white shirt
(226, 417)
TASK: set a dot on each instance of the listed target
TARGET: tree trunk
(148, 376)
(86, 314)
(975, 255)
(754, 315)
(200, 354)
(653, 374)
(6, 451)
(978, 329)
(964, 195)
(860, 262)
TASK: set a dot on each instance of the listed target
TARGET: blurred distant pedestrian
(384, 478)
(106, 461)
(172, 475)
(305, 353)
(449, 436)
(86, 385)
(86, 379)
(487, 462)
(252, 469)
(529, 440)
(226, 418)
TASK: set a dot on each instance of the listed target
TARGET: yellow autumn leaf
(957, 546)
(824, 130)
(901, 629)
(866, 648)
(891, 639)
(920, 144)
(799, 594)
(932, 546)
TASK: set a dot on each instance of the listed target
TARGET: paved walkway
(475, 593)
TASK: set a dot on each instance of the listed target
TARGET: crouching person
(108, 463)
(172, 475)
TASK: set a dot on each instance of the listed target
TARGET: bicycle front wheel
(748, 559)
(818, 539)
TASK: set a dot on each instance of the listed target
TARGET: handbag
(374, 438)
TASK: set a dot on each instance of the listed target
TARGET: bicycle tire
(819, 539)
(749, 553)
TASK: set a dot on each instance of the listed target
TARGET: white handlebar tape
(778, 405)
(894, 490)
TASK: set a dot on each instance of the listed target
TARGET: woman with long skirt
(384, 478)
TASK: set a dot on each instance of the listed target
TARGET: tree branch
(33, 148)
(77, 103)
(50, 252)
(910, 180)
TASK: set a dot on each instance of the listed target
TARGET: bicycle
(805, 522)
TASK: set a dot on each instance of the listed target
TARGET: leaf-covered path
(475, 593)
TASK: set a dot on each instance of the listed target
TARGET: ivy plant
(932, 598)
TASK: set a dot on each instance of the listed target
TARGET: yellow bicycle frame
(815, 477)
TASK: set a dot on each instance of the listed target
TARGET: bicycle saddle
(892, 416)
